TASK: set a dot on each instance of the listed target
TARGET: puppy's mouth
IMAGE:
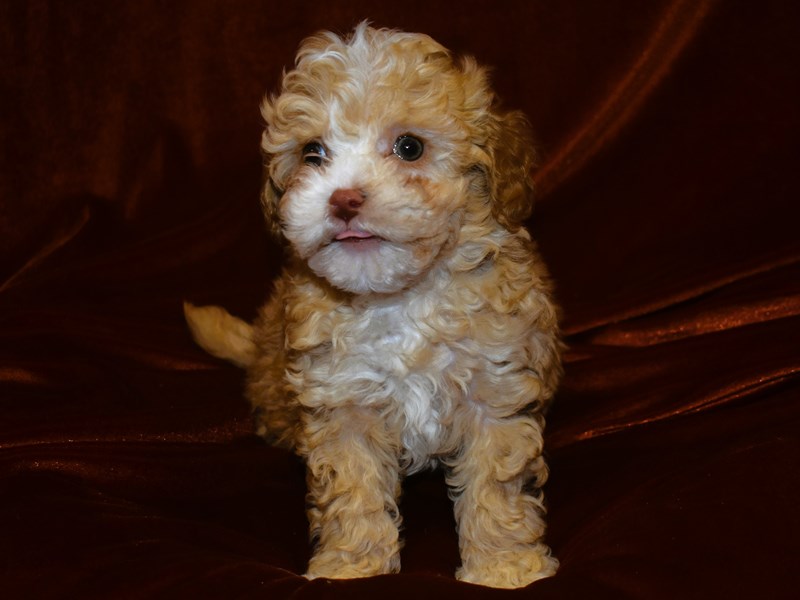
(357, 238)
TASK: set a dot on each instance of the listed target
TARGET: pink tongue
(353, 234)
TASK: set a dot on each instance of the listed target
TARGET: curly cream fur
(434, 343)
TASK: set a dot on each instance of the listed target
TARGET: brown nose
(345, 203)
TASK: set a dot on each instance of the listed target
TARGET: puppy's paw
(334, 565)
(509, 569)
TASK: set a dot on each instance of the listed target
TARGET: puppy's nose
(346, 203)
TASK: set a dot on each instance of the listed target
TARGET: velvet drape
(667, 213)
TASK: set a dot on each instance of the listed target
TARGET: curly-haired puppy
(413, 325)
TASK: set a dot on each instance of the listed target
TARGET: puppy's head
(380, 150)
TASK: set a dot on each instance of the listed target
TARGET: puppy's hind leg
(221, 334)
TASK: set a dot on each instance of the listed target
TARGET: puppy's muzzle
(346, 203)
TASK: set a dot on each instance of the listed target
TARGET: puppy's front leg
(353, 482)
(500, 522)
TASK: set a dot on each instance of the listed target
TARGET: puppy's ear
(270, 192)
(513, 157)
(270, 197)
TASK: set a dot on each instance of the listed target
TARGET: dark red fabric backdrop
(668, 191)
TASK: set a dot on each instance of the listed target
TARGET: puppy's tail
(221, 334)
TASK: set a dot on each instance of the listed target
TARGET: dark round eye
(407, 147)
(314, 153)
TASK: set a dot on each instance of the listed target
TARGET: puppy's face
(379, 149)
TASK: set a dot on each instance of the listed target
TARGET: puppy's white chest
(411, 371)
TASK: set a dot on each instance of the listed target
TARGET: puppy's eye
(409, 148)
(314, 154)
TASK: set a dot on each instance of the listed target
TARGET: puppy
(413, 325)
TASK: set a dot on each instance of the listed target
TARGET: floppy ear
(510, 173)
(270, 197)
(271, 192)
